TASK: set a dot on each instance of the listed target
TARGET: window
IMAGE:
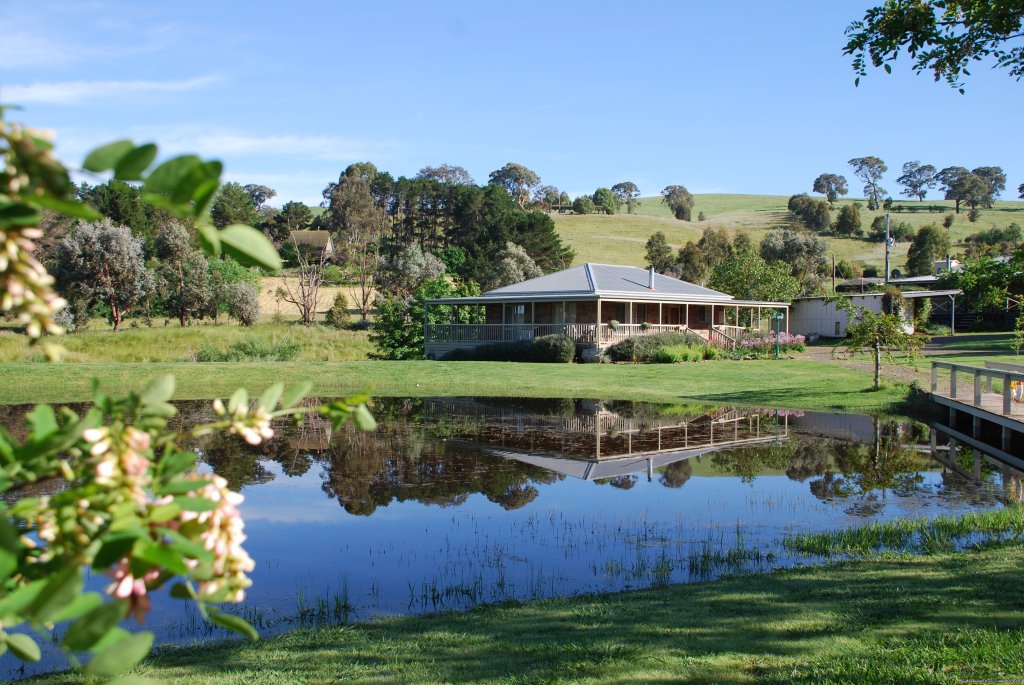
(837, 329)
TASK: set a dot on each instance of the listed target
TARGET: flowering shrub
(134, 508)
(765, 344)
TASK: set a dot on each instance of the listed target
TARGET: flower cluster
(223, 537)
(122, 463)
(253, 425)
(765, 343)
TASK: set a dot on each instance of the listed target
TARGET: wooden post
(977, 389)
(598, 327)
(935, 378)
(686, 315)
(1007, 395)
(1006, 438)
(660, 319)
(952, 383)
(932, 435)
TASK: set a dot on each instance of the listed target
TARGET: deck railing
(635, 330)
(982, 382)
(499, 332)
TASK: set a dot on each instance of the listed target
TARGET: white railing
(981, 379)
(633, 330)
(725, 336)
(498, 332)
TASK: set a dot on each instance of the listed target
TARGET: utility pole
(887, 243)
(833, 272)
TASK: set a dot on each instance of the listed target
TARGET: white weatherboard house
(596, 305)
(817, 316)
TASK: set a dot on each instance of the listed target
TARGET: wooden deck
(984, 393)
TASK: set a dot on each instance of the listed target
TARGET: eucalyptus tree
(658, 253)
(517, 180)
(259, 194)
(831, 186)
(446, 173)
(627, 193)
(869, 170)
(917, 179)
(606, 200)
(679, 200)
(233, 205)
(183, 274)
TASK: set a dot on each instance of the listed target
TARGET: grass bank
(945, 618)
(788, 383)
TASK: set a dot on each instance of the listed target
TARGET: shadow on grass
(706, 631)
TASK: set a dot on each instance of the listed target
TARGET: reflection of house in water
(600, 440)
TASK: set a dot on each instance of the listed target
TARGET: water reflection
(457, 501)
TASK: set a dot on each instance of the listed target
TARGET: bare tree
(304, 292)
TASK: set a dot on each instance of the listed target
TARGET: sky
(731, 97)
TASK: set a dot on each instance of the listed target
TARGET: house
(596, 305)
(817, 316)
(313, 242)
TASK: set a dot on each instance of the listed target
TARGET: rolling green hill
(620, 238)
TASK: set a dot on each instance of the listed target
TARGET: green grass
(796, 383)
(935, 619)
(176, 344)
(619, 239)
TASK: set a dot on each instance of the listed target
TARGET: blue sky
(739, 97)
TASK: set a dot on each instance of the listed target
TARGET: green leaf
(60, 590)
(23, 646)
(164, 512)
(91, 628)
(239, 399)
(158, 391)
(235, 624)
(131, 166)
(268, 400)
(43, 421)
(180, 487)
(114, 636)
(121, 656)
(80, 605)
(114, 548)
(295, 394)
(209, 239)
(160, 556)
(9, 549)
(364, 419)
(17, 214)
(72, 208)
(204, 194)
(199, 504)
(107, 156)
(167, 177)
(249, 246)
(888, 69)
(176, 463)
(182, 591)
(15, 602)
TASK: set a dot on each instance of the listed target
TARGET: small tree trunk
(878, 365)
(115, 317)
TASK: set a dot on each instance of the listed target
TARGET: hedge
(545, 349)
(642, 348)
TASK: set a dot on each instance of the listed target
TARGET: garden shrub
(253, 350)
(338, 315)
(764, 345)
(242, 301)
(641, 348)
(556, 349)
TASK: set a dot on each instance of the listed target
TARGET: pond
(455, 502)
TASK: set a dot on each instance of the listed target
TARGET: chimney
(650, 278)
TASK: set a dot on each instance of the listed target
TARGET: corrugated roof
(312, 238)
(607, 280)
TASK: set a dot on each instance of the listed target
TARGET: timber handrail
(979, 374)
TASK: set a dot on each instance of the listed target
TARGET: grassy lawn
(620, 238)
(797, 383)
(933, 619)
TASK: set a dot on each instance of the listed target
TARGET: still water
(454, 502)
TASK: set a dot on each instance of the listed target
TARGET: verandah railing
(499, 332)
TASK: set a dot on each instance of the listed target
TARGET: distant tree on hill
(995, 177)
(123, 205)
(804, 254)
(970, 188)
(546, 196)
(848, 222)
(627, 193)
(1020, 191)
(583, 205)
(658, 253)
(446, 173)
(564, 200)
(716, 245)
(917, 180)
(517, 180)
(747, 276)
(831, 186)
(233, 206)
(930, 244)
(814, 214)
(870, 170)
(690, 265)
(258, 195)
(679, 200)
(606, 200)
(943, 36)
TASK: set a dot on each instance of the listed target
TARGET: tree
(943, 36)
(1020, 191)
(848, 222)
(870, 170)
(814, 214)
(183, 274)
(606, 200)
(514, 266)
(446, 173)
(679, 200)
(233, 205)
(747, 276)
(241, 300)
(627, 193)
(883, 333)
(583, 205)
(690, 265)
(258, 195)
(295, 216)
(917, 180)
(397, 332)
(546, 196)
(123, 205)
(716, 246)
(517, 180)
(337, 316)
(104, 264)
(358, 224)
(804, 254)
(408, 270)
(831, 186)
(658, 253)
(303, 289)
(965, 186)
(995, 178)
(930, 244)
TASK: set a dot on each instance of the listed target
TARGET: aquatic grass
(929, 536)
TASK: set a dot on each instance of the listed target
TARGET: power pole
(887, 242)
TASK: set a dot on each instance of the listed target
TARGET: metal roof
(607, 281)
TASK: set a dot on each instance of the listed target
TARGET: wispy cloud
(74, 92)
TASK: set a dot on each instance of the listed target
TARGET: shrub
(242, 300)
(556, 349)
(253, 350)
(641, 348)
(764, 345)
(337, 315)
(333, 275)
